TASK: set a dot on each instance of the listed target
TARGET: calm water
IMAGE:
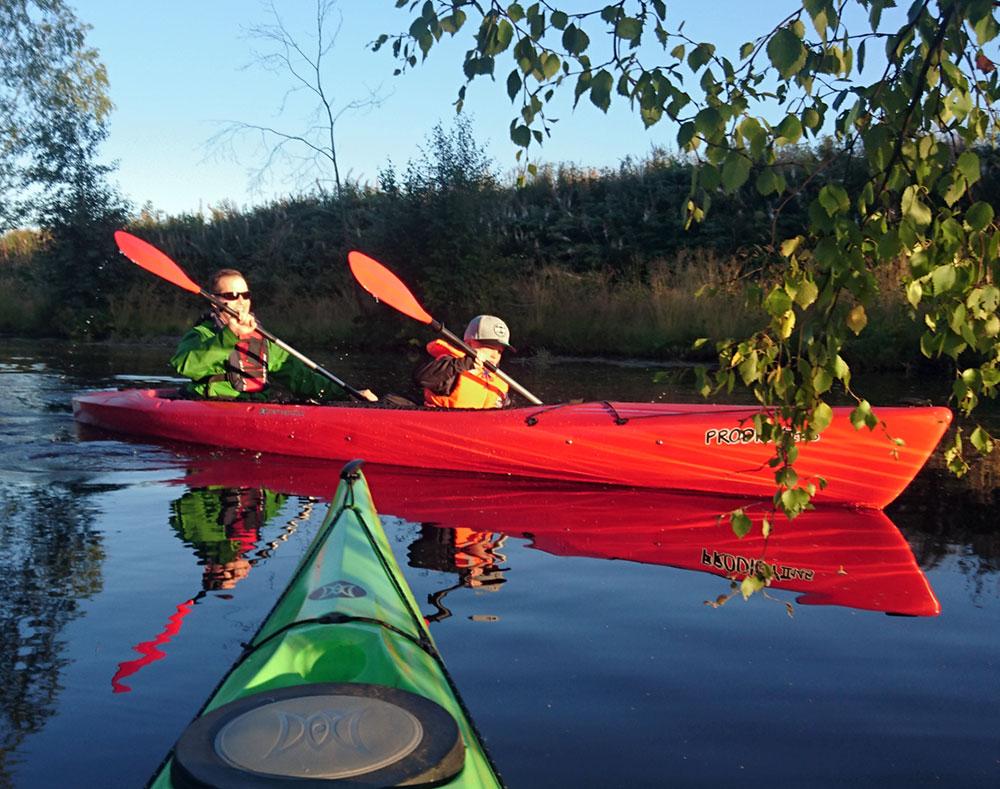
(573, 622)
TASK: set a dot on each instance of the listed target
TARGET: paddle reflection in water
(829, 556)
(223, 526)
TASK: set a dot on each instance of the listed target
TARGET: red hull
(675, 447)
(829, 556)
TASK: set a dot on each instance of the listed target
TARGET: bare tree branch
(309, 149)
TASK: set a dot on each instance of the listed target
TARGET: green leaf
(979, 215)
(914, 292)
(943, 278)
(628, 28)
(842, 370)
(789, 130)
(786, 52)
(521, 136)
(748, 369)
(600, 89)
(513, 84)
(770, 180)
(860, 414)
(857, 319)
(740, 523)
(558, 19)
(821, 380)
(786, 477)
(685, 134)
(818, 13)
(700, 55)
(708, 121)
(789, 245)
(778, 302)
(749, 585)
(735, 171)
(834, 199)
(550, 64)
(786, 325)
(806, 293)
(968, 165)
(986, 29)
(794, 501)
(913, 208)
(821, 417)
(575, 41)
(981, 440)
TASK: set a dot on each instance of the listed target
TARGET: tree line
(457, 230)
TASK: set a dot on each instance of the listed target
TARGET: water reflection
(834, 556)
(474, 556)
(824, 697)
(223, 526)
(50, 563)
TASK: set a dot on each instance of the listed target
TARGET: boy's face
(488, 352)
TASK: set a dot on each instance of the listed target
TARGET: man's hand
(242, 326)
(368, 395)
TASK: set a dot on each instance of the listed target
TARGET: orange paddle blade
(144, 254)
(385, 286)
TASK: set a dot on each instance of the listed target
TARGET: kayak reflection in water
(226, 357)
(473, 555)
(223, 525)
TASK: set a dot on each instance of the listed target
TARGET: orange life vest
(472, 389)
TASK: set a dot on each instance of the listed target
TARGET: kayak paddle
(146, 256)
(385, 286)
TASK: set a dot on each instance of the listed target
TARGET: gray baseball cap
(488, 328)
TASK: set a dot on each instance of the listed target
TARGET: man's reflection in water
(473, 555)
(223, 526)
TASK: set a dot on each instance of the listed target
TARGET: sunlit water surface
(578, 670)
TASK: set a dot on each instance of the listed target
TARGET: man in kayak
(451, 379)
(226, 358)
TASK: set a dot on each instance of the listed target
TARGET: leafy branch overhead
(909, 95)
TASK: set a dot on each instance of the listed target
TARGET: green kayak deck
(342, 685)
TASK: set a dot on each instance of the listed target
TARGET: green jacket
(205, 349)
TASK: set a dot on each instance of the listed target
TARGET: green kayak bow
(341, 686)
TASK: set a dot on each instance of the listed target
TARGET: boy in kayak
(225, 357)
(451, 379)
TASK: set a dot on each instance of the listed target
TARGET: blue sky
(178, 71)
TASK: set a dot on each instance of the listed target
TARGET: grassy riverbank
(578, 261)
(655, 316)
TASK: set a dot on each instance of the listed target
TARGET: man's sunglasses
(233, 295)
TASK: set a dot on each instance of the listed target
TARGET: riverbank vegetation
(579, 261)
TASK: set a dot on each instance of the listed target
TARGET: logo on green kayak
(337, 589)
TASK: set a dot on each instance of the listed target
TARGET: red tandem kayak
(647, 445)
